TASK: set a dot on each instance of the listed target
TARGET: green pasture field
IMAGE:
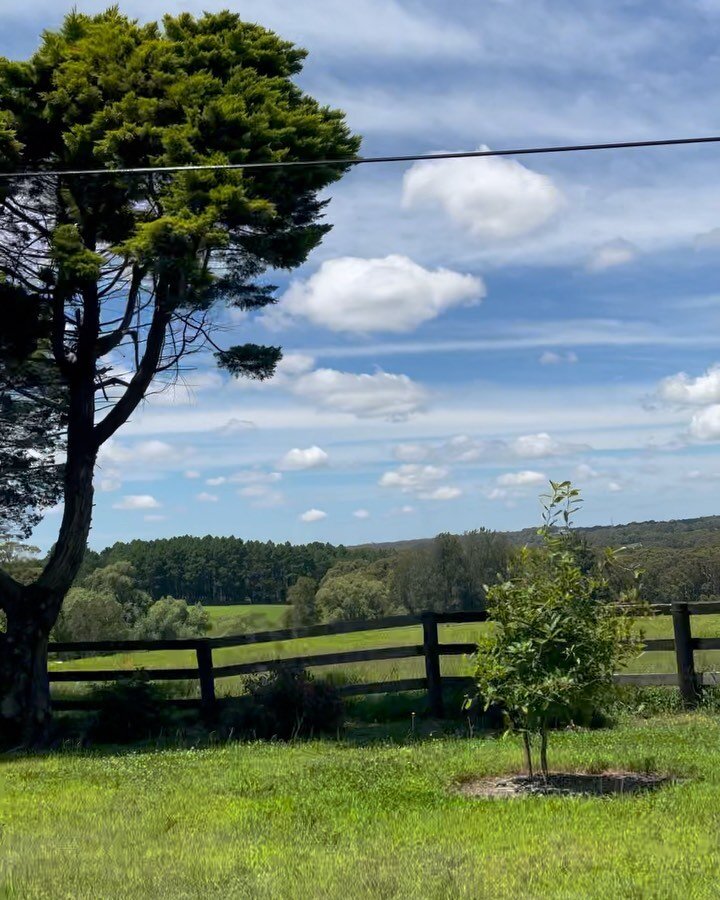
(346, 819)
(246, 617)
(382, 670)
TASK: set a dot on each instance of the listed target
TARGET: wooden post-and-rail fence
(431, 649)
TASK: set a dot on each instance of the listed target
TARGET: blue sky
(468, 329)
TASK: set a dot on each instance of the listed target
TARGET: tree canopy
(94, 270)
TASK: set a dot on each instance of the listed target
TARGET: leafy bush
(559, 634)
(129, 710)
(301, 597)
(171, 618)
(356, 589)
(119, 580)
(287, 704)
(109, 606)
(90, 616)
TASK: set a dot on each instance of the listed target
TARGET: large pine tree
(112, 267)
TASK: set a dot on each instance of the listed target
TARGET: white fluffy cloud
(458, 449)
(586, 472)
(361, 514)
(313, 515)
(205, 497)
(422, 481)
(525, 478)
(255, 476)
(464, 449)
(310, 458)
(492, 198)
(381, 395)
(137, 501)
(393, 294)
(411, 452)
(612, 254)
(705, 425)
(687, 391)
(551, 358)
(412, 477)
(146, 452)
(152, 454)
(262, 496)
(293, 364)
(110, 483)
(445, 492)
(540, 445)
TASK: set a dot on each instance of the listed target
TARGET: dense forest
(679, 533)
(675, 533)
(214, 570)
(680, 561)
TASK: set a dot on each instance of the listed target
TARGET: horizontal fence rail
(431, 649)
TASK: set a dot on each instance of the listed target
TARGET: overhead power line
(362, 160)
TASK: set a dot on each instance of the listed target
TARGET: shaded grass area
(227, 620)
(382, 670)
(381, 820)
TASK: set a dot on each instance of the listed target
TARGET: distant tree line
(448, 573)
(690, 534)
(217, 570)
(151, 588)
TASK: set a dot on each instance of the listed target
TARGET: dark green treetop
(119, 277)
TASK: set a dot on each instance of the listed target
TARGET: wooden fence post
(203, 651)
(432, 664)
(684, 654)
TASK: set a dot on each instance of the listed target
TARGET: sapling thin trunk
(543, 750)
(528, 753)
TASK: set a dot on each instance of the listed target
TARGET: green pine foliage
(91, 267)
(223, 569)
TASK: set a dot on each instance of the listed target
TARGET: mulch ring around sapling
(565, 784)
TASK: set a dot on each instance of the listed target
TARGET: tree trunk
(24, 686)
(528, 753)
(543, 751)
(32, 610)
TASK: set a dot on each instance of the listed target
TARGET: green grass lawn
(327, 820)
(240, 619)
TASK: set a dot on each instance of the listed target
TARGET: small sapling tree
(560, 632)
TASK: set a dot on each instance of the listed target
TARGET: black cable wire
(363, 160)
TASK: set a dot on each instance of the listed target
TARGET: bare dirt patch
(563, 784)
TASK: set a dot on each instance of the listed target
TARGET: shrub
(356, 589)
(129, 710)
(88, 615)
(170, 618)
(559, 634)
(288, 704)
(119, 580)
(301, 597)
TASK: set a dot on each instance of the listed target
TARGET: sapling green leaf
(561, 629)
